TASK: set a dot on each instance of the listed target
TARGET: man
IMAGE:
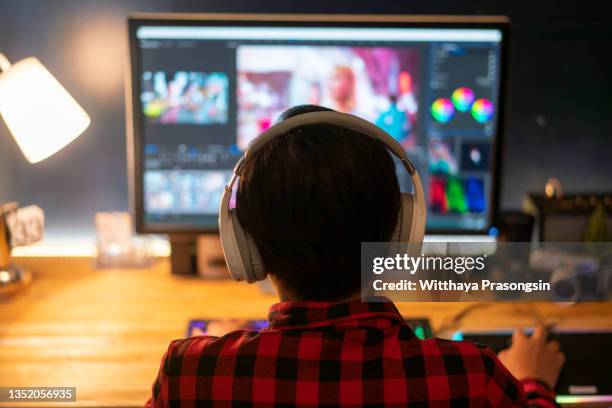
(308, 198)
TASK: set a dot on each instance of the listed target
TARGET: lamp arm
(5, 64)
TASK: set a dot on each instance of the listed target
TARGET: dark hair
(310, 197)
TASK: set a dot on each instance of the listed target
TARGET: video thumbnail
(184, 191)
(475, 194)
(475, 156)
(379, 84)
(185, 97)
(453, 195)
(442, 159)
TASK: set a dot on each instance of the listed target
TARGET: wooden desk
(104, 331)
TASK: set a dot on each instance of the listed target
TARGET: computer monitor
(203, 86)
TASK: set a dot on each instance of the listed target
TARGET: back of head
(310, 197)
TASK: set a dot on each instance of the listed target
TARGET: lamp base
(13, 279)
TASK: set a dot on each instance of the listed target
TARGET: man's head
(309, 198)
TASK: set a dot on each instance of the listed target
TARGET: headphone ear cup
(248, 252)
(257, 267)
(404, 219)
(235, 254)
(409, 229)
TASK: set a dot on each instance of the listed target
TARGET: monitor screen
(202, 90)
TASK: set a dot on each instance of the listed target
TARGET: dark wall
(559, 110)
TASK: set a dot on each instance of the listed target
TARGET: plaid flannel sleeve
(539, 394)
(503, 390)
(177, 370)
(159, 397)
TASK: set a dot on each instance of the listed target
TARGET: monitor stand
(197, 255)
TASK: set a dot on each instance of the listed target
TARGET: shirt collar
(355, 313)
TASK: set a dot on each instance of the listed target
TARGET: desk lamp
(43, 118)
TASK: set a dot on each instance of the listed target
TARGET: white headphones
(241, 253)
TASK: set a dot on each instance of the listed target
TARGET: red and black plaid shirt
(353, 354)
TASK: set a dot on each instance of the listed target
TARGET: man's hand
(533, 357)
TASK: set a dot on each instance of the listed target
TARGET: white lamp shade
(39, 112)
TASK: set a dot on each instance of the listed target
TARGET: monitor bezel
(134, 118)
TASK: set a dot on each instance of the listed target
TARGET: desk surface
(104, 331)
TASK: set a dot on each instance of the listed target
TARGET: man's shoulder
(199, 355)
(198, 345)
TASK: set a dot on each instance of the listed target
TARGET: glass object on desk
(116, 245)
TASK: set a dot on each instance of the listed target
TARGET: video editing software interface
(207, 91)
